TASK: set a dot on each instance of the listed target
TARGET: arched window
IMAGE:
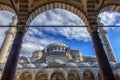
(57, 76)
(25, 76)
(73, 76)
(41, 76)
(88, 75)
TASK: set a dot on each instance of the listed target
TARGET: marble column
(11, 63)
(7, 41)
(104, 66)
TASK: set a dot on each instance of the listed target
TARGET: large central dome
(57, 44)
(56, 49)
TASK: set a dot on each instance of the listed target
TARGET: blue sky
(76, 38)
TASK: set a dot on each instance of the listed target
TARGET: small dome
(24, 59)
(84, 64)
(42, 65)
(56, 61)
(56, 44)
(19, 66)
(30, 65)
(37, 54)
(71, 65)
(112, 64)
(95, 64)
(116, 66)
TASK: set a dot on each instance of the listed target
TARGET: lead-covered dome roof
(95, 64)
(19, 66)
(56, 61)
(84, 64)
(24, 59)
(57, 44)
(30, 65)
(42, 65)
(116, 66)
(71, 65)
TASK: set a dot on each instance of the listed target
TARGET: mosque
(57, 61)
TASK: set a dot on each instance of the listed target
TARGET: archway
(55, 5)
(41, 76)
(57, 76)
(73, 75)
(6, 8)
(113, 7)
(88, 75)
(25, 76)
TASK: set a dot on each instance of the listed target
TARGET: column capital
(22, 28)
(92, 28)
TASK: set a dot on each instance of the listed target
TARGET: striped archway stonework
(55, 5)
(6, 8)
(115, 8)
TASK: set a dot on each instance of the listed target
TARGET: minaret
(106, 44)
(7, 41)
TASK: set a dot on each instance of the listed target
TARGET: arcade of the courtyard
(27, 10)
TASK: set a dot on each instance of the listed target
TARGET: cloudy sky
(75, 37)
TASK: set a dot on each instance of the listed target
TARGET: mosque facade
(57, 61)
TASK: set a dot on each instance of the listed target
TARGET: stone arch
(7, 8)
(57, 75)
(73, 75)
(25, 76)
(115, 8)
(88, 75)
(55, 5)
(41, 75)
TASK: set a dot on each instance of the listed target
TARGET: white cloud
(77, 33)
(32, 40)
(57, 17)
(109, 18)
(5, 18)
(2, 34)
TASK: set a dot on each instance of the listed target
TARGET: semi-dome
(71, 65)
(30, 65)
(19, 66)
(84, 64)
(57, 44)
(24, 59)
(56, 61)
(42, 65)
